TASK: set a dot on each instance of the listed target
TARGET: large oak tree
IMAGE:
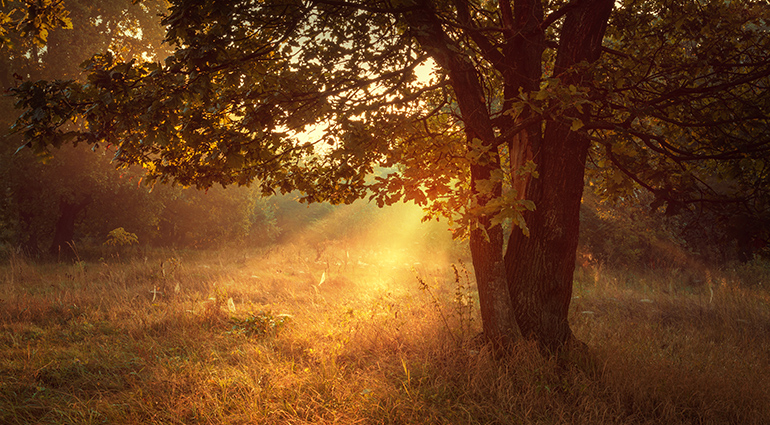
(526, 95)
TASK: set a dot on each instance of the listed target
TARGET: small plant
(164, 276)
(169, 267)
(79, 268)
(261, 324)
(120, 237)
(464, 301)
(212, 308)
(436, 304)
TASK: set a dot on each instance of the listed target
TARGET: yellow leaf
(576, 124)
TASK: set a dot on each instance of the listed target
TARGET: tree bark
(486, 241)
(65, 226)
(540, 267)
(486, 245)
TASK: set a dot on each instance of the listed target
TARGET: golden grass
(236, 337)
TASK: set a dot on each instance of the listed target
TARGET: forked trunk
(540, 267)
(537, 270)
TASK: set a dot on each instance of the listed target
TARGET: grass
(287, 336)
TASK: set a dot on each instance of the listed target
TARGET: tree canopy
(43, 202)
(525, 96)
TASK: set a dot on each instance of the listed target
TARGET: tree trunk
(540, 267)
(486, 245)
(29, 243)
(486, 242)
(65, 226)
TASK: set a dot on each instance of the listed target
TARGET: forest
(322, 211)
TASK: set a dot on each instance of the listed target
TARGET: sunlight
(399, 236)
(426, 72)
(371, 249)
(426, 75)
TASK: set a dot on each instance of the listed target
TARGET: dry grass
(255, 338)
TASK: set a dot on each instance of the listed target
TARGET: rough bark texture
(523, 49)
(540, 267)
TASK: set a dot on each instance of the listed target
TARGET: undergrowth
(277, 337)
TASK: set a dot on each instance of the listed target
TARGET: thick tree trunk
(540, 267)
(65, 226)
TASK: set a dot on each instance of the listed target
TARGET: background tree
(48, 199)
(669, 96)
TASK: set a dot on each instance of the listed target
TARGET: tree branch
(506, 16)
(369, 8)
(489, 51)
(557, 14)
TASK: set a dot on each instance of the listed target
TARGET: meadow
(361, 334)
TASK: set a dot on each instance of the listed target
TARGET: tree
(50, 43)
(666, 95)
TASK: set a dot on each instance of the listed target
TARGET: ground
(348, 333)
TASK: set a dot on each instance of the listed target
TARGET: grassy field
(294, 335)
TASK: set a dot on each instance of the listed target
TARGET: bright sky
(425, 75)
